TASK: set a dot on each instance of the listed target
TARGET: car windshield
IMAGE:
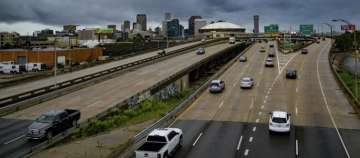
(279, 120)
(215, 85)
(45, 118)
(269, 60)
(246, 80)
(156, 139)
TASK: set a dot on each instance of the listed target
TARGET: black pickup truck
(52, 123)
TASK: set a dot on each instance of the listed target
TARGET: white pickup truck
(160, 143)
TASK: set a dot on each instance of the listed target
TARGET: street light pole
(55, 63)
(356, 52)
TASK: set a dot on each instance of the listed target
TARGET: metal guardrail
(35, 149)
(184, 104)
(37, 92)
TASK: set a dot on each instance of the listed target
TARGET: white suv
(279, 121)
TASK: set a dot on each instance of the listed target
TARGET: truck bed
(151, 146)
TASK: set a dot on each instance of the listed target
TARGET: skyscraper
(168, 16)
(126, 26)
(141, 20)
(198, 24)
(174, 29)
(191, 24)
(256, 23)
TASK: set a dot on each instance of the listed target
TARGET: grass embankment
(147, 110)
(349, 80)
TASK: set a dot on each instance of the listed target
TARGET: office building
(141, 20)
(256, 24)
(126, 26)
(192, 24)
(174, 29)
(168, 16)
(69, 28)
(198, 24)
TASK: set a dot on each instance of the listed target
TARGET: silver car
(200, 51)
(269, 62)
(216, 86)
(247, 82)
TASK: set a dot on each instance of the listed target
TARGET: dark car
(271, 46)
(271, 55)
(52, 123)
(200, 51)
(291, 74)
(163, 52)
(304, 51)
(243, 59)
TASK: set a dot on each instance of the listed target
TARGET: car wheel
(49, 135)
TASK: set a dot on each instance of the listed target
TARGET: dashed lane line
(197, 139)
(239, 144)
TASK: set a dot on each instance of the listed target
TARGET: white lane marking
(297, 89)
(197, 139)
(15, 139)
(264, 101)
(234, 84)
(246, 153)
(266, 96)
(257, 120)
(251, 139)
(239, 144)
(254, 129)
(221, 104)
(297, 147)
(296, 110)
(259, 113)
(326, 103)
(262, 107)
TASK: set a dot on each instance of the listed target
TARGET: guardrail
(44, 90)
(44, 145)
(350, 95)
(184, 104)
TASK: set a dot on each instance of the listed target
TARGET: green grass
(349, 80)
(147, 110)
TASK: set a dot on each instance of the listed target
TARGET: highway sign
(273, 28)
(306, 30)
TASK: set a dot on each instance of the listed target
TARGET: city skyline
(45, 14)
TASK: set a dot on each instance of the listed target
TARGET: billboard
(306, 30)
(105, 31)
(348, 28)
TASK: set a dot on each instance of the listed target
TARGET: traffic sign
(307, 30)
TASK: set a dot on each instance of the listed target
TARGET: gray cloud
(95, 12)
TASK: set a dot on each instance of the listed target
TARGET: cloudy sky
(25, 16)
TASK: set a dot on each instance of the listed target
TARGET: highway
(25, 87)
(97, 98)
(235, 122)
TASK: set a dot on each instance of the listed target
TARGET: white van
(33, 67)
(9, 67)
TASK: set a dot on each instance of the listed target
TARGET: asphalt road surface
(99, 97)
(235, 123)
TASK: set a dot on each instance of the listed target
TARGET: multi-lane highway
(97, 98)
(235, 123)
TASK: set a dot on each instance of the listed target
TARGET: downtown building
(192, 19)
(142, 21)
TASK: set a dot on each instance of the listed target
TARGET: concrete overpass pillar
(183, 83)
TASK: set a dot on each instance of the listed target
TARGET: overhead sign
(348, 28)
(306, 30)
(273, 28)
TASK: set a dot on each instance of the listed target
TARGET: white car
(279, 121)
(161, 143)
(247, 82)
(216, 86)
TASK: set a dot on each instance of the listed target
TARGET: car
(203, 40)
(52, 123)
(280, 121)
(271, 55)
(304, 51)
(200, 51)
(291, 74)
(317, 41)
(262, 50)
(162, 52)
(243, 59)
(323, 39)
(269, 62)
(247, 82)
(271, 46)
(216, 86)
(161, 143)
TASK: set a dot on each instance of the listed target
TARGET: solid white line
(15, 139)
(297, 89)
(257, 120)
(254, 129)
(264, 101)
(221, 104)
(246, 153)
(251, 139)
(327, 105)
(262, 107)
(297, 147)
(296, 110)
(197, 139)
(239, 144)
(277, 57)
(234, 84)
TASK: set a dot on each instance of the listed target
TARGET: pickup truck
(160, 143)
(52, 123)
